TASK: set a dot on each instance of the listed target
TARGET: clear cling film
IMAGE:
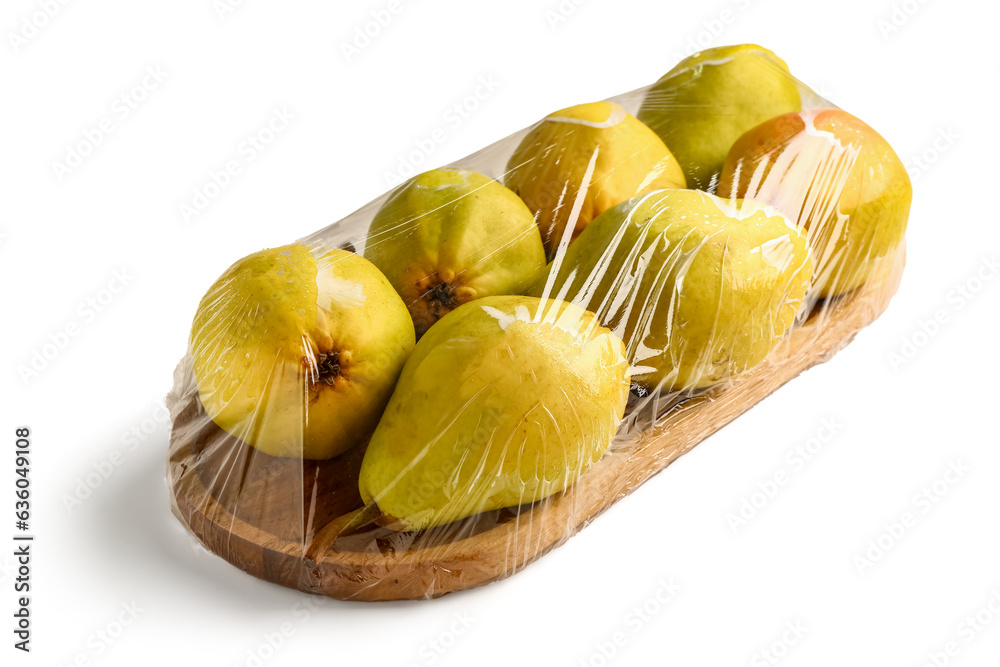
(433, 392)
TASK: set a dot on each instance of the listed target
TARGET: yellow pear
(578, 162)
(505, 401)
(296, 350)
(701, 106)
(700, 288)
(449, 236)
(835, 176)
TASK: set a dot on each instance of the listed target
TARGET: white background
(927, 83)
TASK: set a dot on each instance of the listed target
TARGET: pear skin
(835, 176)
(699, 288)
(504, 401)
(701, 106)
(449, 236)
(578, 162)
(296, 350)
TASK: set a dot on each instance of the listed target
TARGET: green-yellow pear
(835, 176)
(701, 106)
(449, 236)
(296, 350)
(505, 401)
(579, 162)
(699, 288)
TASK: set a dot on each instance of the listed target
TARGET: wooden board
(302, 525)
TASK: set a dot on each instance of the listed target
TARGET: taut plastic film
(438, 389)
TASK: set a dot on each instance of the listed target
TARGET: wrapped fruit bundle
(438, 389)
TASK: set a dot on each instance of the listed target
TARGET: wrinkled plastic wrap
(434, 391)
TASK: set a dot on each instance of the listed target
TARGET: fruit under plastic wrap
(449, 236)
(433, 392)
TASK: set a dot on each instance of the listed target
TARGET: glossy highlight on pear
(701, 106)
(296, 350)
(835, 176)
(504, 401)
(700, 289)
(580, 161)
(449, 236)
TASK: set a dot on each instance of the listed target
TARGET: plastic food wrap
(433, 392)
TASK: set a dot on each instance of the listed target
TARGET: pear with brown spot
(296, 350)
(449, 236)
